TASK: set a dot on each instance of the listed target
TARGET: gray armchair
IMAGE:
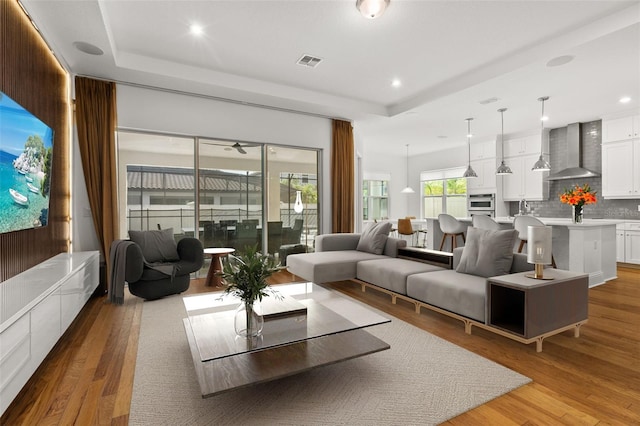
(153, 281)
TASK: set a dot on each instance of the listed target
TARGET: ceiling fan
(238, 146)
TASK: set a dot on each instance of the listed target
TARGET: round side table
(216, 254)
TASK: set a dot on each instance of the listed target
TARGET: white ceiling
(449, 55)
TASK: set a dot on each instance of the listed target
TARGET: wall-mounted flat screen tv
(26, 148)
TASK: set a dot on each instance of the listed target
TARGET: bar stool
(405, 228)
(484, 222)
(521, 224)
(451, 227)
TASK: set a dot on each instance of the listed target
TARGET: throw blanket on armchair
(117, 263)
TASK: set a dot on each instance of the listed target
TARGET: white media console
(36, 308)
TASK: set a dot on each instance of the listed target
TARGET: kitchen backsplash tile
(591, 133)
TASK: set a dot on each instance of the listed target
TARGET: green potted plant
(245, 277)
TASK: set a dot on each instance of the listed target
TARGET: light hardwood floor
(595, 379)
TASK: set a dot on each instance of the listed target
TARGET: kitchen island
(589, 247)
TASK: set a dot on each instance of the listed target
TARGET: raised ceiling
(448, 56)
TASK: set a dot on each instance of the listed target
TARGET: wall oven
(484, 203)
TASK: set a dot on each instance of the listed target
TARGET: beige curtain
(96, 121)
(342, 180)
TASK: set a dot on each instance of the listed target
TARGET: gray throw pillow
(157, 246)
(487, 253)
(374, 237)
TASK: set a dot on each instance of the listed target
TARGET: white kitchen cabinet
(482, 150)
(621, 128)
(485, 183)
(632, 242)
(524, 182)
(525, 145)
(632, 247)
(620, 242)
(621, 169)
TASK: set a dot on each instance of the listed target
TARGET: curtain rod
(215, 98)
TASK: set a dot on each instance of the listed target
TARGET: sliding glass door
(156, 186)
(292, 199)
(230, 194)
(226, 193)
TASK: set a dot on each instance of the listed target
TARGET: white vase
(248, 320)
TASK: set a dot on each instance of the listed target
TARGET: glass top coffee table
(331, 330)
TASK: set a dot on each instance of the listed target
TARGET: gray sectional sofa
(452, 292)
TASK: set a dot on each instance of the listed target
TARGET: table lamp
(539, 250)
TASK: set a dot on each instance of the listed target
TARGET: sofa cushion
(374, 237)
(487, 253)
(455, 292)
(328, 266)
(157, 246)
(391, 273)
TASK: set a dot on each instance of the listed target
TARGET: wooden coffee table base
(232, 372)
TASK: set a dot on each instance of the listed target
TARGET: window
(445, 196)
(375, 199)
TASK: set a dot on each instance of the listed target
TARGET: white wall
(83, 234)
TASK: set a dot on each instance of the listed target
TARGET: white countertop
(556, 221)
(565, 221)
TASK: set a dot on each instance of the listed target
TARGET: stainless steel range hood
(574, 168)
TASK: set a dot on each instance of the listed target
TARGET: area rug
(421, 380)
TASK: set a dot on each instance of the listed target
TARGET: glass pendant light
(542, 165)
(503, 169)
(408, 189)
(297, 206)
(469, 173)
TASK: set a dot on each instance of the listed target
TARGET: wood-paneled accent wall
(31, 75)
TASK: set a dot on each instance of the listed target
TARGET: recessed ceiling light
(88, 48)
(196, 29)
(625, 100)
(396, 83)
(544, 118)
(560, 60)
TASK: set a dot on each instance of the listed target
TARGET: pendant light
(503, 169)
(542, 165)
(372, 9)
(297, 206)
(408, 189)
(469, 173)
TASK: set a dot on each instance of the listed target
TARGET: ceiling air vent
(488, 101)
(309, 61)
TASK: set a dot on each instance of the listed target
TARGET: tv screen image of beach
(26, 148)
